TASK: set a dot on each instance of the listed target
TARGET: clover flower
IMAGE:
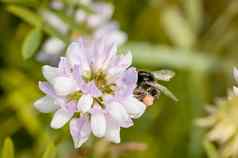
(223, 125)
(92, 87)
(96, 19)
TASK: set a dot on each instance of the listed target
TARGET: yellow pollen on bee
(148, 100)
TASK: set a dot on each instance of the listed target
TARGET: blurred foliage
(195, 38)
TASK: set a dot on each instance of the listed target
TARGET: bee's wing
(165, 90)
(164, 75)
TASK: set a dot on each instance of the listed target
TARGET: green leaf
(31, 43)
(8, 149)
(22, 2)
(50, 151)
(210, 149)
(177, 28)
(25, 14)
(150, 55)
(37, 21)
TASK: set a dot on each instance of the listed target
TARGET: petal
(60, 118)
(125, 60)
(235, 90)
(80, 16)
(46, 104)
(91, 89)
(49, 73)
(103, 12)
(235, 73)
(114, 35)
(119, 114)
(64, 67)
(134, 107)
(120, 64)
(111, 52)
(127, 83)
(98, 122)
(80, 130)
(47, 89)
(130, 76)
(76, 53)
(85, 103)
(112, 131)
(64, 85)
(53, 46)
(71, 106)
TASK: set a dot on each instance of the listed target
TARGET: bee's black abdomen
(144, 76)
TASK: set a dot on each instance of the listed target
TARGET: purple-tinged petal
(85, 103)
(112, 131)
(64, 85)
(47, 89)
(71, 106)
(119, 114)
(111, 53)
(50, 73)
(77, 74)
(80, 130)
(98, 121)
(130, 76)
(99, 52)
(64, 67)
(46, 104)
(127, 83)
(120, 64)
(91, 89)
(77, 55)
(60, 118)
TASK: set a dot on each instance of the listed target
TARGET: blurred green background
(195, 38)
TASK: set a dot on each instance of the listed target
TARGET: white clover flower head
(92, 87)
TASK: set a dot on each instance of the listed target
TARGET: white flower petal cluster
(92, 87)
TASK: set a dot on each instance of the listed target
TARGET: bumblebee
(148, 88)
